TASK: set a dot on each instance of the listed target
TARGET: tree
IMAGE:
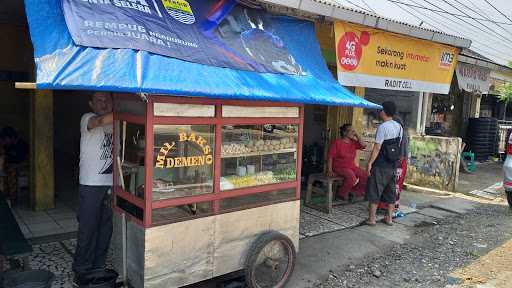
(505, 96)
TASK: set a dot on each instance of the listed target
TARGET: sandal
(389, 223)
(368, 223)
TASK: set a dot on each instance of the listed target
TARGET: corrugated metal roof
(472, 57)
(332, 9)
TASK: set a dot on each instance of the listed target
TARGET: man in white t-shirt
(381, 184)
(95, 212)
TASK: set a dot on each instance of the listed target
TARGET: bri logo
(140, 5)
(180, 10)
(350, 49)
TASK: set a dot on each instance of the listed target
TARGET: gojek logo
(180, 10)
(350, 49)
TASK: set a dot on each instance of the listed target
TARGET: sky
(489, 30)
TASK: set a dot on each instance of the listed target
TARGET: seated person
(15, 154)
(341, 162)
(16, 149)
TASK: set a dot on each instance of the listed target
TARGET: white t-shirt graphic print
(96, 163)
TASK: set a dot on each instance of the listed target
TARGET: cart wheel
(270, 261)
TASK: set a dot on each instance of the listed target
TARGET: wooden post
(358, 114)
(42, 186)
(357, 120)
(336, 116)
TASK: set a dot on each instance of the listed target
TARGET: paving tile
(59, 210)
(68, 224)
(346, 216)
(19, 220)
(415, 219)
(407, 210)
(395, 233)
(45, 218)
(44, 229)
(349, 219)
(436, 213)
(53, 257)
(455, 204)
(24, 213)
(24, 229)
(363, 205)
(63, 216)
(311, 225)
(28, 234)
(353, 209)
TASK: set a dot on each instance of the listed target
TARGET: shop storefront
(408, 71)
(393, 67)
(450, 113)
(207, 147)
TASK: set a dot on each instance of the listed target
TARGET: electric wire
(488, 28)
(499, 55)
(473, 25)
(503, 14)
(447, 12)
(369, 7)
(471, 30)
(477, 12)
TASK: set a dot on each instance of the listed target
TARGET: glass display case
(182, 158)
(254, 155)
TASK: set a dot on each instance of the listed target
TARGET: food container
(241, 171)
(251, 169)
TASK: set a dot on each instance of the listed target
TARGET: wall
(501, 75)
(69, 106)
(407, 103)
(315, 118)
(434, 162)
(14, 108)
(16, 51)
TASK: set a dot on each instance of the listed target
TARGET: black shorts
(381, 186)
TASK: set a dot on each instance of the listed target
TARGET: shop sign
(162, 161)
(473, 78)
(210, 32)
(377, 59)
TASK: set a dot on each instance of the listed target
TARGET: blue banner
(219, 33)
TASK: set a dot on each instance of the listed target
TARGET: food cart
(208, 127)
(207, 187)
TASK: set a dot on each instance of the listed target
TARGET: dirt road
(472, 250)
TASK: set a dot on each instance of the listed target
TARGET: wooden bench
(12, 240)
(328, 183)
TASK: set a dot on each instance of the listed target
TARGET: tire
(509, 199)
(258, 264)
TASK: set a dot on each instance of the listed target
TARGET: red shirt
(343, 154)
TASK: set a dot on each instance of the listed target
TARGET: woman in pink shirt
(341, 162)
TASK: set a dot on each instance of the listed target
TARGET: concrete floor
(327, 252)
(486, 174)
(35, 224)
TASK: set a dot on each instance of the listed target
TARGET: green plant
(505, 96)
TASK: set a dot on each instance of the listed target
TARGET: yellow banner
(376, 59)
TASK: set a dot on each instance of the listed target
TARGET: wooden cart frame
(178, 252)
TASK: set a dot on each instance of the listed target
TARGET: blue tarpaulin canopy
(61, 64)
